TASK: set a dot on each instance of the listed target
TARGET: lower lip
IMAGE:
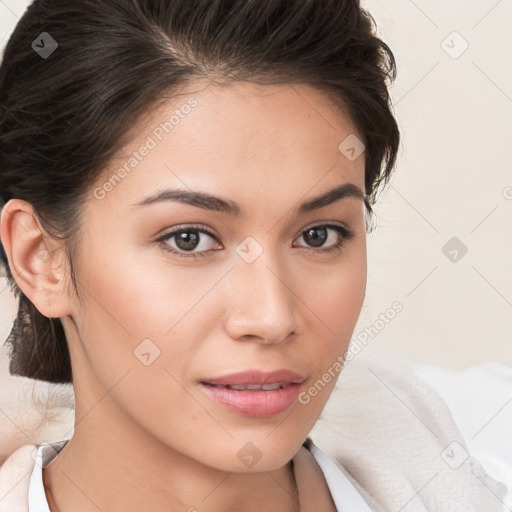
(254, 403)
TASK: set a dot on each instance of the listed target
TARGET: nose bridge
(264, 304)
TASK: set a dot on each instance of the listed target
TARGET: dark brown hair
(63, 116)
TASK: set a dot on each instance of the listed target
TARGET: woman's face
(252, 282)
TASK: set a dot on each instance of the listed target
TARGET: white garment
(398, 442)
(344, 494)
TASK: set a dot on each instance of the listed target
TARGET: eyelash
(345, 233)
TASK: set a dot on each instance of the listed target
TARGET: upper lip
(257, 377)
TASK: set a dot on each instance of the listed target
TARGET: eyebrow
(214, 203)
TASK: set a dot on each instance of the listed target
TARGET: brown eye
(317, 236)
(187, 240)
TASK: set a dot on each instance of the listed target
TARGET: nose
(263, 304)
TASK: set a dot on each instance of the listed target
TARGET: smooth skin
(147, 437)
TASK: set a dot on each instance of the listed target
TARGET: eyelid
(183, 227)
(327, 224)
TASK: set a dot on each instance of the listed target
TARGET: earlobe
(35, 260)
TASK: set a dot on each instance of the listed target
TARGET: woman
(187, 190)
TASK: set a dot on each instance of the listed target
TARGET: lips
(255, 393)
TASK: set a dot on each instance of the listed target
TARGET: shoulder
(15, 474)
(33, 412)
(24, 427)
(396, 437)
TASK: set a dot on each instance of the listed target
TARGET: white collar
(346, 497)
(45, 455)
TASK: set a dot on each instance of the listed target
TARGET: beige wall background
(442, 248)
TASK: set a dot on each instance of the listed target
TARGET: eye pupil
(187, 240)
(316, 240)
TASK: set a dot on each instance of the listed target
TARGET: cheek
(136, 343)
(336, 293)
(130, 310)
(141, 295)
(336, 306)
(346, 299)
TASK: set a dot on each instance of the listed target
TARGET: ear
(37, 263)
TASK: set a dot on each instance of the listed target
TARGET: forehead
(238, 138)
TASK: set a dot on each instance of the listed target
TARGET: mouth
(254, 393)
(251, 401)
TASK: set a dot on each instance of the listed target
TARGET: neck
(110, 464)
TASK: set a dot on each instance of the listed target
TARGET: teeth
(266, 387)
(277, 385)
